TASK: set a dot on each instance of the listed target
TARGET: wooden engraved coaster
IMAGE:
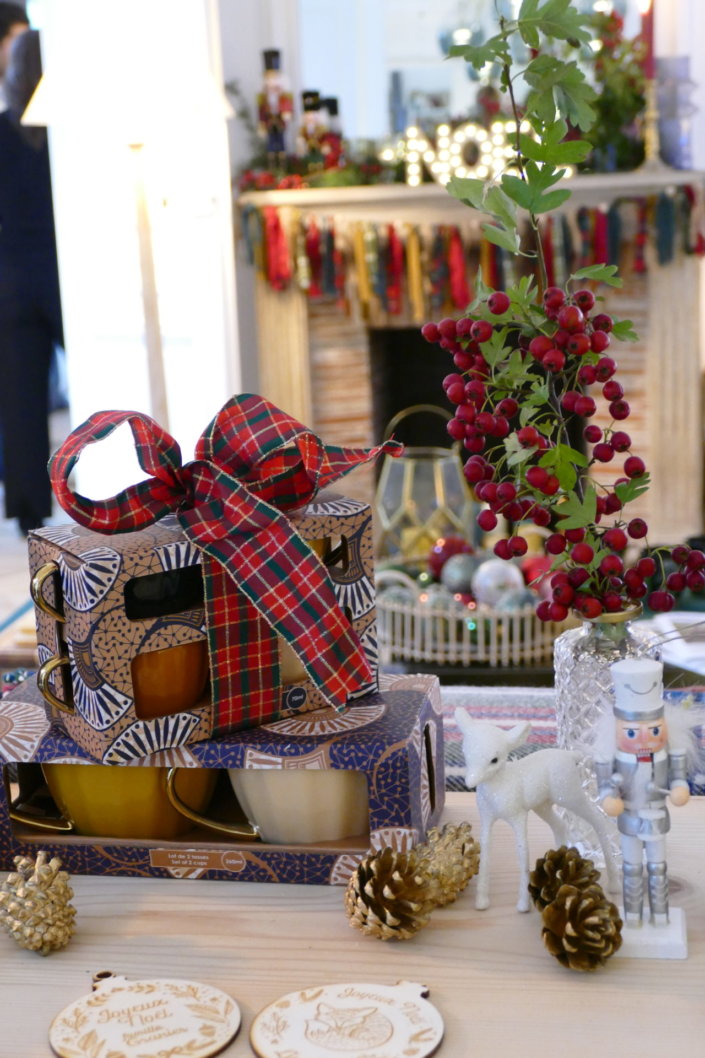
(351, 1019)
(145, 1019)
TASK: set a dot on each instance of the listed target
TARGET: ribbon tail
(278, 573)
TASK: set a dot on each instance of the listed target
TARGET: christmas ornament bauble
(397, 593)
(442, 551)
(457, 573)
(493, 578)
(515, 599)
(435, 595)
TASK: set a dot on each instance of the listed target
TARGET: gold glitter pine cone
(581, 927)
(391, 894)
(453, 857)
(563, 866)
(35, 904)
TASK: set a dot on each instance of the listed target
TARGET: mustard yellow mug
(116, 801)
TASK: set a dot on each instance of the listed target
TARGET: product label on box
(184, 861)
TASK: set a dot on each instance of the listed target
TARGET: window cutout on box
(337, 557)
(161, 594)
(303, 806)
(430, 767)
(170, 680)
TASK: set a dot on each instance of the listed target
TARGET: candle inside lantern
(646, 8)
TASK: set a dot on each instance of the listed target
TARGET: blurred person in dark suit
(13, 21)
(30, 305)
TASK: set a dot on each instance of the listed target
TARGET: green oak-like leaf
(467, 190)
(629, 490)
(569, 153)
(496, 49)
(555, 18)
(560, 85)
(501, 206)
(516, 454)
(551, 200)
(517, 189)
(601, 273)
(623, 331)
(494, 349)
(577, 513)
(508, 240)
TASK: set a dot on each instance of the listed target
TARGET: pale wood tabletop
(500, 993)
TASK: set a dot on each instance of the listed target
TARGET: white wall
(162, 48)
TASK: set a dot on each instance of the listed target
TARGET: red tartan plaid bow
(252, 463)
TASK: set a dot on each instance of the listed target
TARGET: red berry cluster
(495, 416)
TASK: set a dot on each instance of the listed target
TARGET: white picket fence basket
(438, 634)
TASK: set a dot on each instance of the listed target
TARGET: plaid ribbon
(253, 462)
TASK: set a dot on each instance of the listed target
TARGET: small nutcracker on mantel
(309, 143)
(275, 106)
(332, 138)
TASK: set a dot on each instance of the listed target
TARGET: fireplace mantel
(313, 358)
(433, 202)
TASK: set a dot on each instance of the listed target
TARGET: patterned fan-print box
(392, 738)
(122, 642)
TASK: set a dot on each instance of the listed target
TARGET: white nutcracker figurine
(639, 764)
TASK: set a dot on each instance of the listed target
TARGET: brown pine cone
(391, 894)
(581, 928)
(563, 866)
(453, 856)
(35, 904)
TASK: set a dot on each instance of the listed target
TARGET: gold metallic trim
(244, 831)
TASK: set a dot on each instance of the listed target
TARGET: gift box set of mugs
(163, 737)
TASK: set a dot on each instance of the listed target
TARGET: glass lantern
(421, 497)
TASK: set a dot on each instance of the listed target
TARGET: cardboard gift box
(102, 604)
(386, 750)
(241, 550)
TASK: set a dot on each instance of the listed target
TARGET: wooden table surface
(499, 991)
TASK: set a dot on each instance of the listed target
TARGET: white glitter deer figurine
(510, 790)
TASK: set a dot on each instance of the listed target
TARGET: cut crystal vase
(584, 694)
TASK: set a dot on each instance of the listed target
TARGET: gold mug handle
(244, 831)
(36, 590)
(43, 673)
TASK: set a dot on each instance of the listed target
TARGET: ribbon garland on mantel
(419, 270)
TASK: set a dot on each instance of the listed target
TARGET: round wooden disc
(349, 1020)
(146, 1018)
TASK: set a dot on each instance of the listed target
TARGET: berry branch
(528, 361)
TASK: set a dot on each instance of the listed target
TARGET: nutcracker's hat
(638, 689)
(272, 59)
(330, 103)
(311, 100)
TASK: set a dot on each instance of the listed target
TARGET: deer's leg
(482, 889)
(518, 825)
(549, 815)
(582, 807)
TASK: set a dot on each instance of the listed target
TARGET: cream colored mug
(292, 806)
